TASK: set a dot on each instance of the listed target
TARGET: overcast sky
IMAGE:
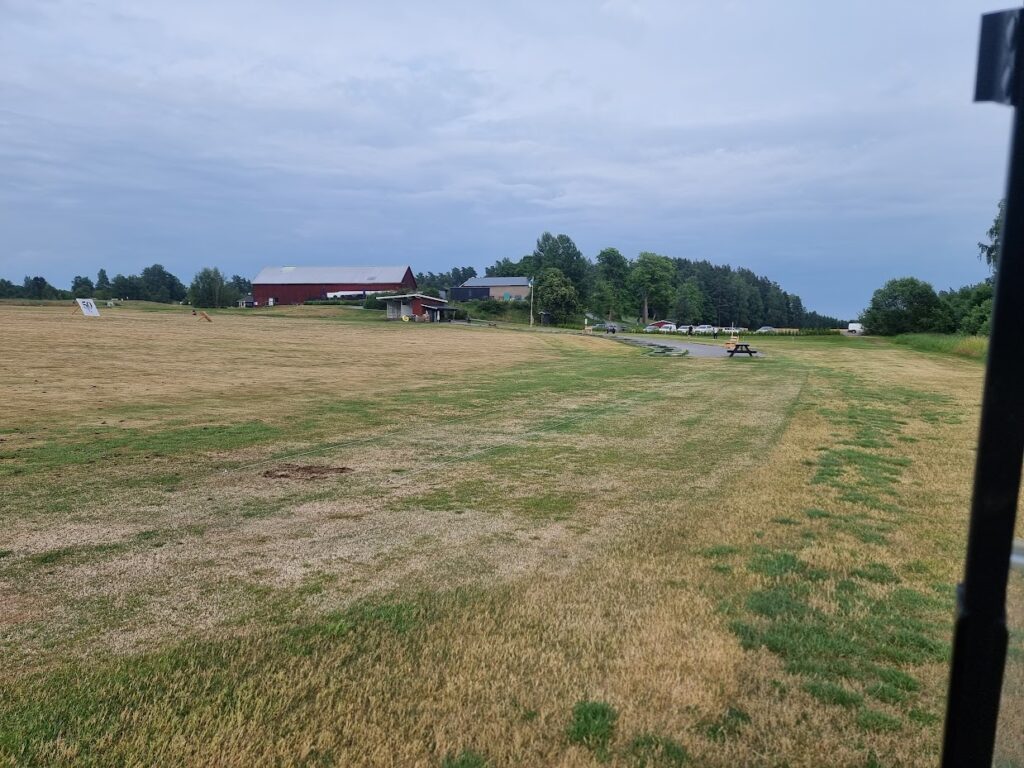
(830, 146)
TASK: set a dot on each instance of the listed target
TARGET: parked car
(667, 328)
(766, 329)
(704, 329)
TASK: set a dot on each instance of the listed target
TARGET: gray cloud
(830, 147)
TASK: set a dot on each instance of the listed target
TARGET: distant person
(714, 332)
(689, 330)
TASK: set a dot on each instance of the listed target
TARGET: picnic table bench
(740, 346)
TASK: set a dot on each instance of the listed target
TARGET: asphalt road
(665, 340)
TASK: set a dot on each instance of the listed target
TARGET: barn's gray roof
(327, 275)
(493, 282)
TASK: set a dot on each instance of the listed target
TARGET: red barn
(294, 285)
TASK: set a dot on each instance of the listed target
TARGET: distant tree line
(209, 288)
(909, 305)
(653, 286)
(429, 282)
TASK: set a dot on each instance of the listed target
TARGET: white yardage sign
(88, 307)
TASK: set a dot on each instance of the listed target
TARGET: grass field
(975, 347)
(310, 537)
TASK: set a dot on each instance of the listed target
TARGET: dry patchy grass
(550, 549)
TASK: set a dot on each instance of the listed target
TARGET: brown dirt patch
(304, 472)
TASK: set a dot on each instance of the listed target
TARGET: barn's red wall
(296, 294)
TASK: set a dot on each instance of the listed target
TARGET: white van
(855, 329)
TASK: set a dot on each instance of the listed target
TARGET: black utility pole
(980, 636)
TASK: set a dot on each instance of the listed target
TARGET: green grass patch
(776, 564)
(465, 759)
(720, 550)
(830, 693)
(887, 693)
(778, 601)
(545, 506)
(593, 726)
(107, 444)
(877, 722)
(877, 573)
(651, 751)
(728, 725)
(75, 554)
(923, 717)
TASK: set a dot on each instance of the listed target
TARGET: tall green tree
(555, 293)
(903, 305)
(651, 283)
(689, 303)
(241, 284)
(968, 309)
(160, 285)
(82, 287)
(210, 289)
(37, 288)
(128, 287)
(989, 252)
(102, 281)
(612, 280)
(560, 252)
(506, 267)
(604, 300)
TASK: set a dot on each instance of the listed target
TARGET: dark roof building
(502, 288)
(494, 282)
(294, 285)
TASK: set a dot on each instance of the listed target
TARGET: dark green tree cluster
(32, 288)
(428, 281)
(556, 295)
(552, 252)
(210, 288)
(154, 284)
(654, 286)
(909, 305)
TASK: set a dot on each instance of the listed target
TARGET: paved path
(665, 342)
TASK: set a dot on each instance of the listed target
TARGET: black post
(980, 635)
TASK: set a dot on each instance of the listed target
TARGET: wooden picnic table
(741, 346)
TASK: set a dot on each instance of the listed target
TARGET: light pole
(531, 302)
